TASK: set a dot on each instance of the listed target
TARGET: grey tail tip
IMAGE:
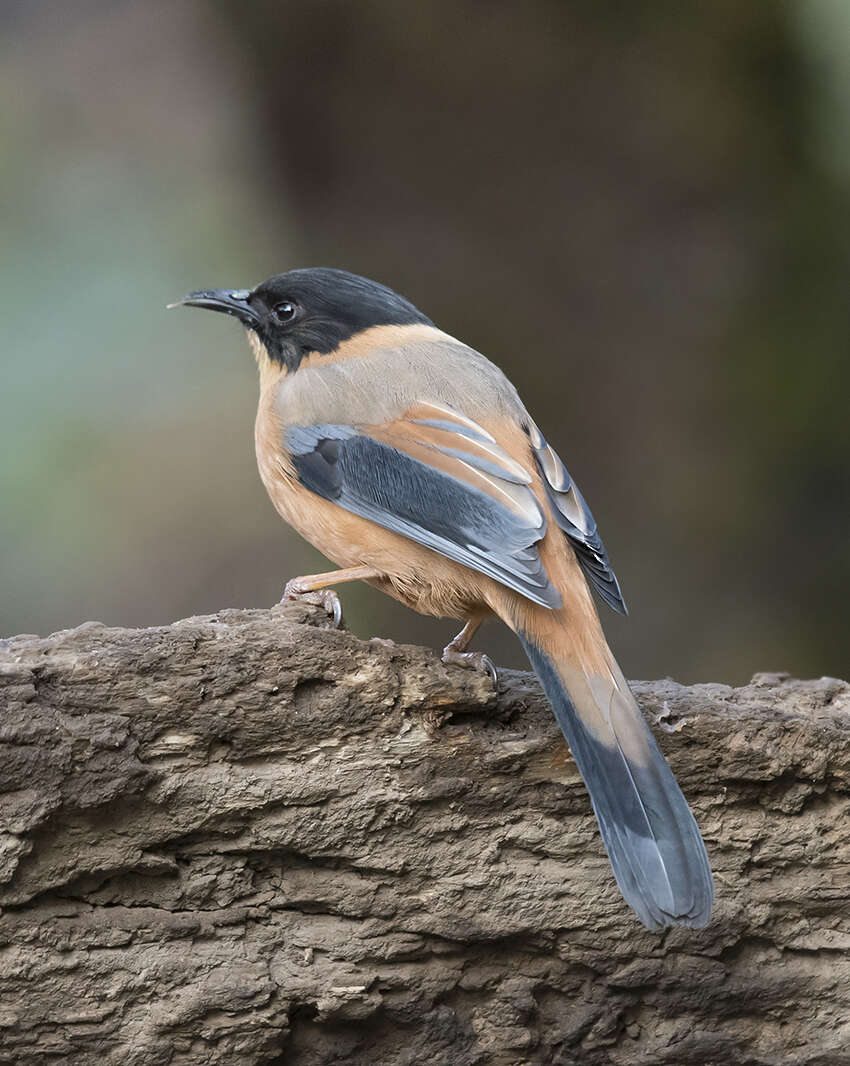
(697, 919)
(657, 854)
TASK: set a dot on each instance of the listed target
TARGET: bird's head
(309, 310)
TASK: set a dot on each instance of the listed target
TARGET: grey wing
(574, 517)
(441, 480)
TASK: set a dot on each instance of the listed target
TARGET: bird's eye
(284, 312)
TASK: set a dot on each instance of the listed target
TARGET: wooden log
(249, 839)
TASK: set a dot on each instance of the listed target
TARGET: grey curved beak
(228, 301)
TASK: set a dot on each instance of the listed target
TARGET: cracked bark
(247, 839)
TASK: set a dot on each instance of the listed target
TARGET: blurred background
(639, 211)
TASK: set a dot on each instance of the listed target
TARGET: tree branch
(247, 839)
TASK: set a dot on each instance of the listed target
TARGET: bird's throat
(271, 370)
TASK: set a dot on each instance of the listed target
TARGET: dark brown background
(639, 211)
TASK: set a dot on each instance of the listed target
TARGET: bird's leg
(314, 588)
(455, 651)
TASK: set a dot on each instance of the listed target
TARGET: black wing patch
(450, 514)
(573, 516)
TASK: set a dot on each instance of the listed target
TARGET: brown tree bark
(248, 839)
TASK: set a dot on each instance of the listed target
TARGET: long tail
(652, 839)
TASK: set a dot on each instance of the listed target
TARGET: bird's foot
(326, 598)
(471, 660)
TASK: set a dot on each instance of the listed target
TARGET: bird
(409, 460)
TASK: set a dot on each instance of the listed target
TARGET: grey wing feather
(574, 517)
(445, 513)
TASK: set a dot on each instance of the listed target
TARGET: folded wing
(574, 517)
(440, 479)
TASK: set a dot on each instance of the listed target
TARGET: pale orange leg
(455, 651)
(305, 587)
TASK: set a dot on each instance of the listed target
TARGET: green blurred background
(639, 211)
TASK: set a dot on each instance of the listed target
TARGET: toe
(333, 606)
(489, 667)
(470, 660)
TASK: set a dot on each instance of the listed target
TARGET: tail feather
(652, 839)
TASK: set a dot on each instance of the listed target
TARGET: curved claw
(490, 667)
(335, 608)
(326, 598)
(471, 660)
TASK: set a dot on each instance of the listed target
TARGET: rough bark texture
(247, 839)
